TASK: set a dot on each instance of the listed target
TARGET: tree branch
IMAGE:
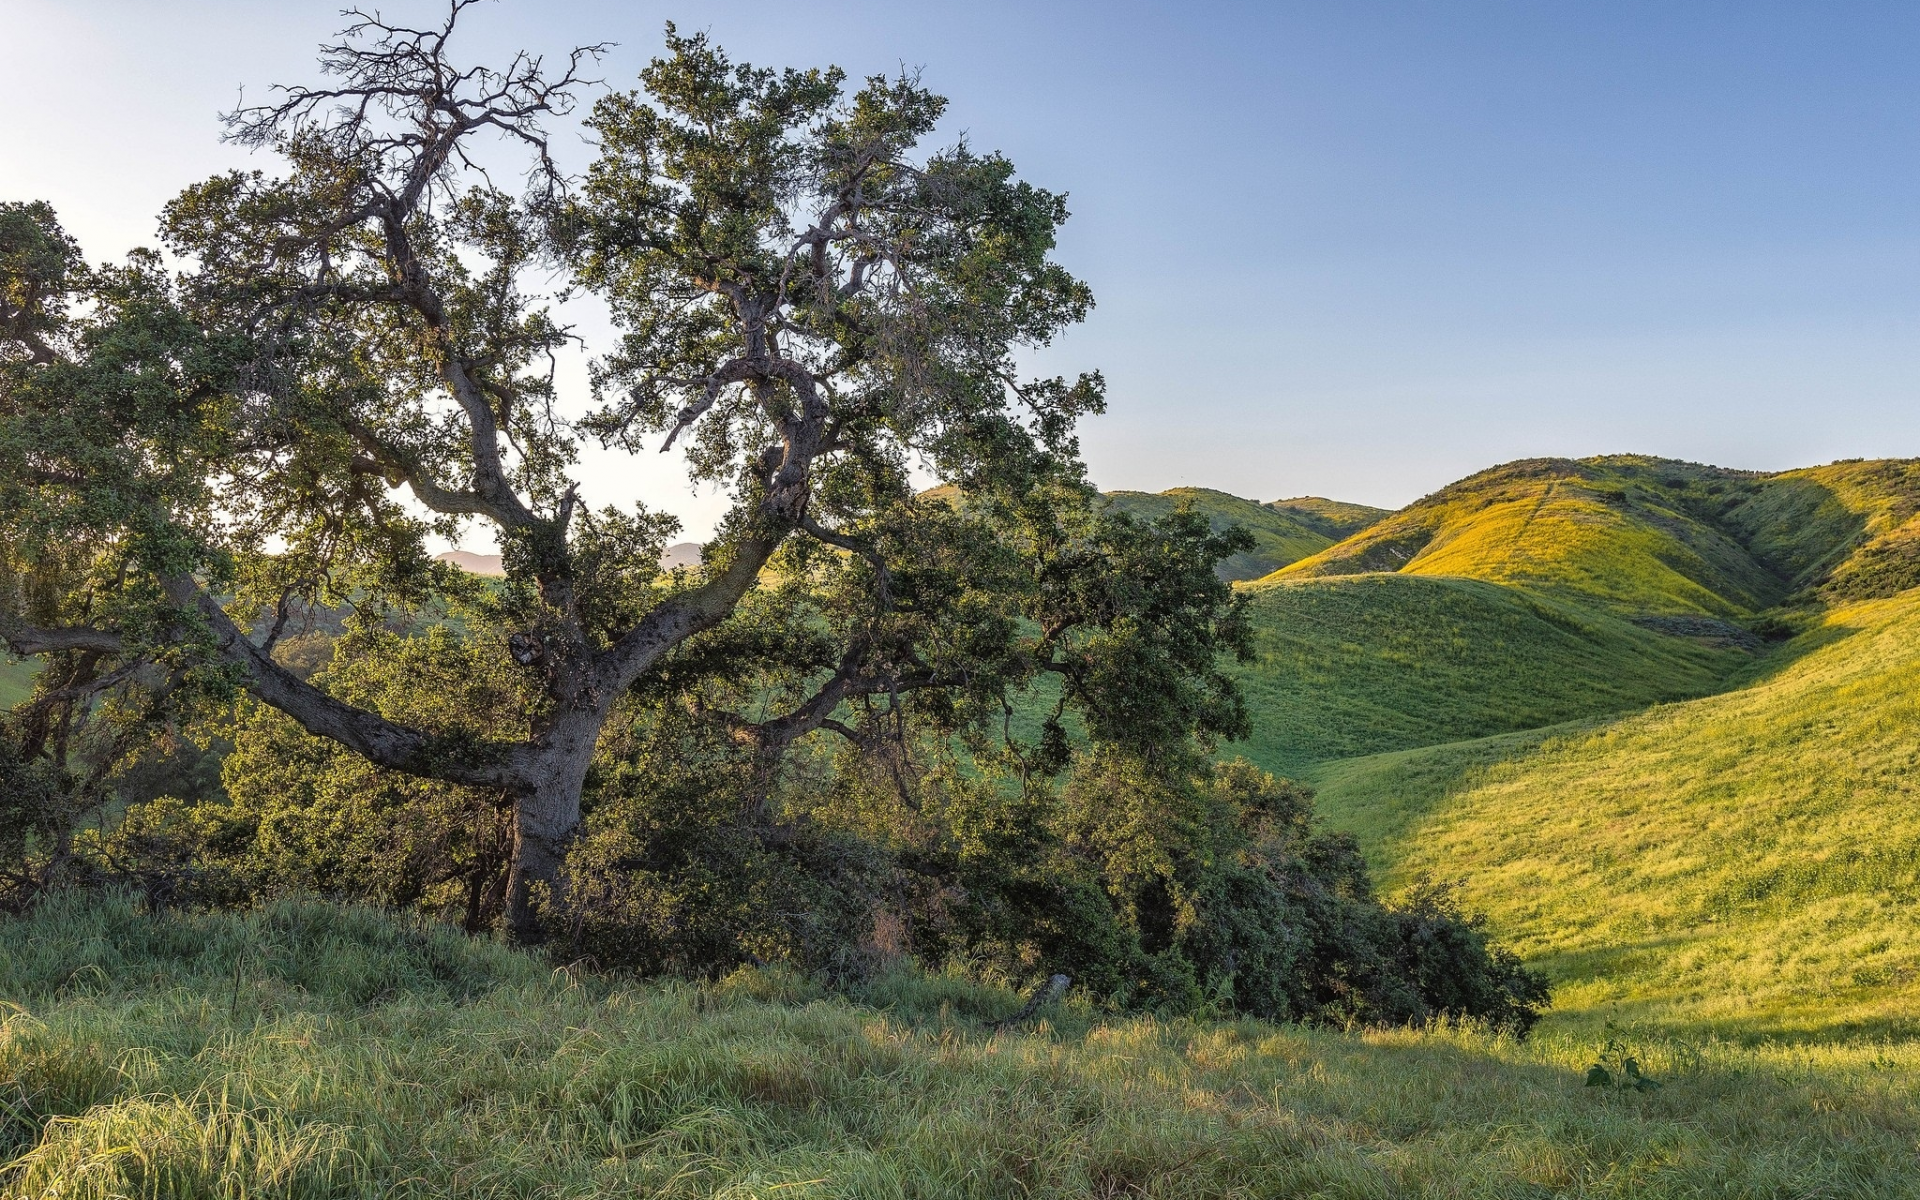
(385, 743)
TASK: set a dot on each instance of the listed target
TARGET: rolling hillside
(1629, 533)
(1537, 681)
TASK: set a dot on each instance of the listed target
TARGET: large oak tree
(351, 353)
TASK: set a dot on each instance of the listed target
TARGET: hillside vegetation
(312, 1051)
(1577, 698)
(1548, 682)
(1284, 531)
(1335, 518)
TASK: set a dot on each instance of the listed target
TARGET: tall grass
(311, 1051)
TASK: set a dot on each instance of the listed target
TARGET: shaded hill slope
(1747, 862)
(1337, 519)
(1284, 531)
(1355, 665)
(1849, 529)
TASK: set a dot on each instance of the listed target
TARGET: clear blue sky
(1349, 248)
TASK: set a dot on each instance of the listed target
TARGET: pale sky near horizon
(1345, 248)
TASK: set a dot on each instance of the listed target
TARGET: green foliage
(1618, 1067)
(193, 460)
(674, 874)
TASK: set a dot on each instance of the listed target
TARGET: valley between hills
(1659, 720)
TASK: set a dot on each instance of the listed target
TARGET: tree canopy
(340, 358)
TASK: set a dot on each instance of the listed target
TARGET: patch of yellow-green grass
(313, 1052)
(1355, 665)
(1619, 531)
(1747, 863)
(16, 682)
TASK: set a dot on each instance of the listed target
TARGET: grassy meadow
(16, 682)
(314, 1051)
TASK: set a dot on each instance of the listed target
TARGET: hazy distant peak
(681, 554)
(473, 564)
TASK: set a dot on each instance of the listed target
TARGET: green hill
(1360, 664)
(1283, 532)
(1624, 532)
(1537, 680)
(1651, 535)
(1848, 528)
(1747, 862)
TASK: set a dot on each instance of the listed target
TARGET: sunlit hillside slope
(1652, 535)
(1747, 862)
(1284, 531)
(1359, 664)
(1627, 532)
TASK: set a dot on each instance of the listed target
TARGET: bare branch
(734, 371)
